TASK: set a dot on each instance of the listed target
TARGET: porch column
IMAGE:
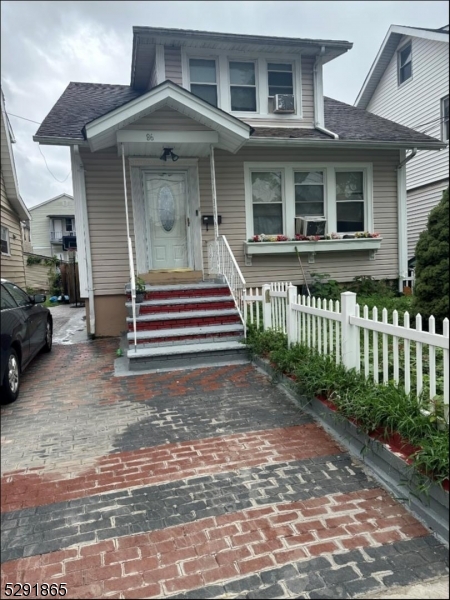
(214, 193)
(130, 250)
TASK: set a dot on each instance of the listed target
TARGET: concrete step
(190, 314)
(213, 331)
(187, 356)
(204, 285)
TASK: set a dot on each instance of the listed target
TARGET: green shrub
(375, 407)
(324, 287)
(431, 292)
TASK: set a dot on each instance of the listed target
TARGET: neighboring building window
(404, 58)
(309, 193)
(280, 79)
(203, 79)
(69, 225)
(444, 118)
(5, 241)
(243, 86)
(267, 200)
(350, 201)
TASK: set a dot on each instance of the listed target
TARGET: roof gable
(387, 51)
(9, 167)
(51, 200)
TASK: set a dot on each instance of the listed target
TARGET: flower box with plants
(282, 244)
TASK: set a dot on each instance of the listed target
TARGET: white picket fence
(382, 350)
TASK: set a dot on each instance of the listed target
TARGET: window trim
(399, 51)
(8, 241)
(364, 185)
(256, 86)
(443, 138)
(288, 191)
(188, 74)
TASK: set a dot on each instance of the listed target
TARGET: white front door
(167, 227)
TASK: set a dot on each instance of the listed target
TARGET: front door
(167, 220)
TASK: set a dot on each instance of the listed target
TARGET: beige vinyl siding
(308, 90)
(106, 216)
(12, 267)
(167, 119)
(343, 266)
(106, 212)
(41, 225)
(416, 103)
(172, 59)
(420, 203)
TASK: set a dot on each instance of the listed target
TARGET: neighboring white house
(53, 230)
(408, 83)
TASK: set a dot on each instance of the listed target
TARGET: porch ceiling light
(169, 152)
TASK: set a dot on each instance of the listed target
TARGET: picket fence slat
(401, 353)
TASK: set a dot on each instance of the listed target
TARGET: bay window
(267, 201)
(242, 86)
(349, 201)
(277, 193)
(203, 79)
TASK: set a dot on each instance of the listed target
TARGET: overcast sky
(45, 45)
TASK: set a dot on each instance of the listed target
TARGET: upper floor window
(280, 78)
(203, 79)
(404, 58)
(243, 86)
(5, 240)
(444, 118)
(69, 225)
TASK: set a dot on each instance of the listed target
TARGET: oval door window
(166, 206)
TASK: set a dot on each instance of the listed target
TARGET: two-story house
(13, 211)
(220, 144)
(53, 229)
(408, 83)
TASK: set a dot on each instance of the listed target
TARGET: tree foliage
(431, 293)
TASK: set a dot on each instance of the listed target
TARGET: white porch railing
(221, 261)
(384, 351)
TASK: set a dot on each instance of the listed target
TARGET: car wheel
(48, 336)
(11, 379)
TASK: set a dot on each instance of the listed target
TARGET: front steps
(185, 325)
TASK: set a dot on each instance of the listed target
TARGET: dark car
(26, 329)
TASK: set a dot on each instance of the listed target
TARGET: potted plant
(140, 290)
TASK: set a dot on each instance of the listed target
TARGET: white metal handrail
(221, 261)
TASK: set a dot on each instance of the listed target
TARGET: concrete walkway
(195, 484)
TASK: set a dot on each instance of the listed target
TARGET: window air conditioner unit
(284, 103)
(310, 225)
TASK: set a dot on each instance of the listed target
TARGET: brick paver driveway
(196, 484)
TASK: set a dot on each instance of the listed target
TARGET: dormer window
(404, 58)
(203, 79)
(243, 86)
(280, 79)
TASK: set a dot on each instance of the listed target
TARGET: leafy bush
(324, 287)
(375, 407)
(368, 286)
(431, 293)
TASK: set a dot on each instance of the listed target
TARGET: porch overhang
(226, 132)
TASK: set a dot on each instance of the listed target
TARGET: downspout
(402, 217)
(80, 186)
(319, 117)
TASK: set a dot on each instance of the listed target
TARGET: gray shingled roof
(81, 103)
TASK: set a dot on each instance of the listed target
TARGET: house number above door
(149, 137)
(166, 207)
